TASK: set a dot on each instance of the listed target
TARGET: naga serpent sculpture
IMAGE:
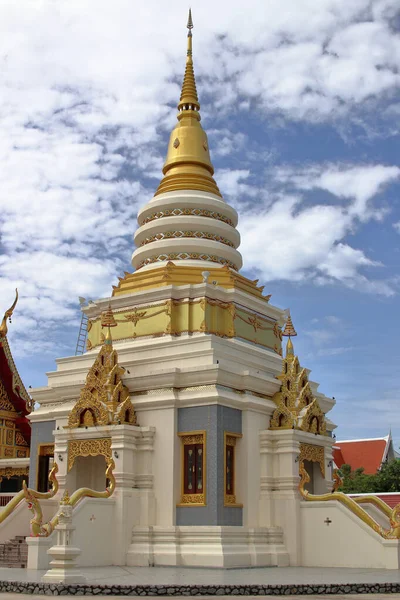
(353, 505)
(40, 529)
(8, 509)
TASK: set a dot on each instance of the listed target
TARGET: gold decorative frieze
(95, 447)
(203, 235)
(196, 212)
(200, 315)
(8, 472)
(187, 256)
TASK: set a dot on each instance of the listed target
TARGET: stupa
(184, 386)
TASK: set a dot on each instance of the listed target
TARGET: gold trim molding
(230, 439)
(188, 438)
(94, 447)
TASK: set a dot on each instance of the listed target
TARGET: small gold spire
(289, 328)
(188, 164)
(7, 315)
(289, 348)
(65, 499)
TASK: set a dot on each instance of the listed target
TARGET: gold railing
(40, 529)
(354, 506)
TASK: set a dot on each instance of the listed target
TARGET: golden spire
(7, 315)
(289, 331)
(188, 164)
(189, 92)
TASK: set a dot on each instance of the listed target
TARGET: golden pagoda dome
(187, 219)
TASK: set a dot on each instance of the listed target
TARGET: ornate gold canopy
(104, 399)
(297, 407)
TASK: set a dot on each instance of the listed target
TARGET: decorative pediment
(296, 405)
(104, 399)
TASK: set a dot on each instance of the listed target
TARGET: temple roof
(367, 453)
(13, 394)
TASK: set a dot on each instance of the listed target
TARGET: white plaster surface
(346, 541)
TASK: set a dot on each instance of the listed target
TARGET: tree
(387, 479)
(356, 482)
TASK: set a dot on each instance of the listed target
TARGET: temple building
(217, 437)
(15, 406)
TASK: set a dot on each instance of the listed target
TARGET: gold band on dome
(187, 256)
(195, 212)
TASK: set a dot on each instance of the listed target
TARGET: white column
(63, 568)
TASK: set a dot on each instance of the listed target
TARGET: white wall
(166, 462)
(346, 542)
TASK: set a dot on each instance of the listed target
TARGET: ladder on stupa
(81, 343)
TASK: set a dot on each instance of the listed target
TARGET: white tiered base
(212, 546)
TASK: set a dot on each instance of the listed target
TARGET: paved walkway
(186, 576)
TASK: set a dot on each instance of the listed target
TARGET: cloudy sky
(301, 103)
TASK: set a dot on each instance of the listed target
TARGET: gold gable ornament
(104, 399)
(297, 408)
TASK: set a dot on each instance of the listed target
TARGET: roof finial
(107, 320)
(189, 99)
(289, 328)
(190, 22)
(7, 315)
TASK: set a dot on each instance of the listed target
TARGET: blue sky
(301, 104)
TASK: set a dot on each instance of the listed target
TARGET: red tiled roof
(14, 389)
(361, 453)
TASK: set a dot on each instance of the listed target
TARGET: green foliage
(387, 479)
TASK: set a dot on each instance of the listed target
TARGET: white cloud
(86, 94)
(303, 242)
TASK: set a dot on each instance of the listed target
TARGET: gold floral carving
(193, 499)
(19, 439)
(296, 406)
(85, 448)
(192, 439)
(313, 454)
(46, 450)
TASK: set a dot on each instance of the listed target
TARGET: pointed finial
(289, 348)
(7, 315)
(189, 99)
(289, 328)
(190, 22)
